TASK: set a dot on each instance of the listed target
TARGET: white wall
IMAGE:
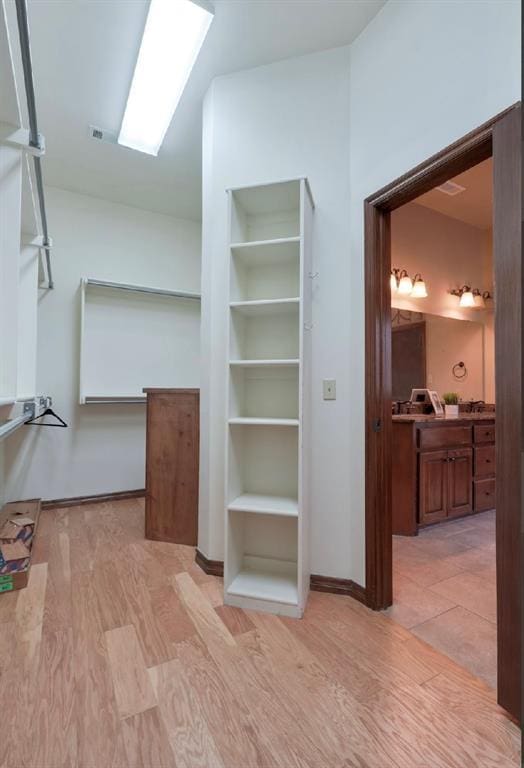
(282, 121)
(420, 76)
(103, 450)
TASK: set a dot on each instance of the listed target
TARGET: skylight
(173, 35)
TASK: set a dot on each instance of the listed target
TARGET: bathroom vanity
(443, 468)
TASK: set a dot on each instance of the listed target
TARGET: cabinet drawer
(484, 461)
(484, 433)
(443, 437)
(484, 494)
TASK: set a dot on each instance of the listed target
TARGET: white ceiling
(84, 52)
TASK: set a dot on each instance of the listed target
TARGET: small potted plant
(451, 400)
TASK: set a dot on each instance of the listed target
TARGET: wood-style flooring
(120, 654)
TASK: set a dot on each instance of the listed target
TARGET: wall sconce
(471, 298)
(402, 283)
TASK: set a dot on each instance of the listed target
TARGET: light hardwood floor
(120, 653)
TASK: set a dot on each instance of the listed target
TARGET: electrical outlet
(329, 388)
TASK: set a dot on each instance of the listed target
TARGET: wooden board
(172, 446)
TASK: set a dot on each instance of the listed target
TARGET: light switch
(329, 388)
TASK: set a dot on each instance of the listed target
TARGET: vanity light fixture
(471, 298)
(400, 282)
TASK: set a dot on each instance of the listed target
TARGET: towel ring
(459, 370)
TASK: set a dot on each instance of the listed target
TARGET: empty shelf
(260, 252)
(264, 422)
(266, 306)
(286, 506)
(256, 363)
(264, 579)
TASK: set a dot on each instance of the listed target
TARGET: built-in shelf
(262, 252)
(264, 422)
(266, 579)
(258, 503)
(257, 363)
(266, 564)
(266, 306)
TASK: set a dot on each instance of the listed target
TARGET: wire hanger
(34, 422)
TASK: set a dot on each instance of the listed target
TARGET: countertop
(428, 418)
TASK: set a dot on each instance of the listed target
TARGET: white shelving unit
(267, 450)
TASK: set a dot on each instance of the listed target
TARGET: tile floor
(444, 591)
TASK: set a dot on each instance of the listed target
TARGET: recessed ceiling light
(173, 35)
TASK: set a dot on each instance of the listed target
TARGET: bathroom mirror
(443, 354)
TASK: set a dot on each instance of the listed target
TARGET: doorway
(499, 139)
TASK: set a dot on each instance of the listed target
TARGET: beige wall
(449, 341)
(448, 253)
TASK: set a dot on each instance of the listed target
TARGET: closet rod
(9, 426)
(142, 289)
(34, 136)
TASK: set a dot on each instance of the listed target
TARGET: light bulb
(478, 298)
(419, 288)
(467, 299)
(405, 285)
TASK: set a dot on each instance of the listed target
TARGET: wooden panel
(507, 257)
(484, 492)
(484, 433)
(485, 461)
(444, 437)
(133, 691)
(172, 466)
(460, 472)
(408, 359)
(379, 585)
(433, 486)
(404, 480)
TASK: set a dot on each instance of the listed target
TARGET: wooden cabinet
(433, 490)
(172, 458)
(445, 488)
(441, 470)
(459, 475)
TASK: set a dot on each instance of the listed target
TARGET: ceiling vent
(451, 189)
(101, 134)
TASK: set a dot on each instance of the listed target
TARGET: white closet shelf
(253, 244)
(268, 363)
(262, 578)
(268, 422)
(267, 252)
(258, 503)
(266, 306)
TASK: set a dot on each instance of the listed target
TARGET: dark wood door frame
(499, 138)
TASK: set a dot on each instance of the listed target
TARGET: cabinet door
(172, 467)
(460, 482)
(433, 486)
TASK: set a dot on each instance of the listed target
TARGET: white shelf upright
(269, 357)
